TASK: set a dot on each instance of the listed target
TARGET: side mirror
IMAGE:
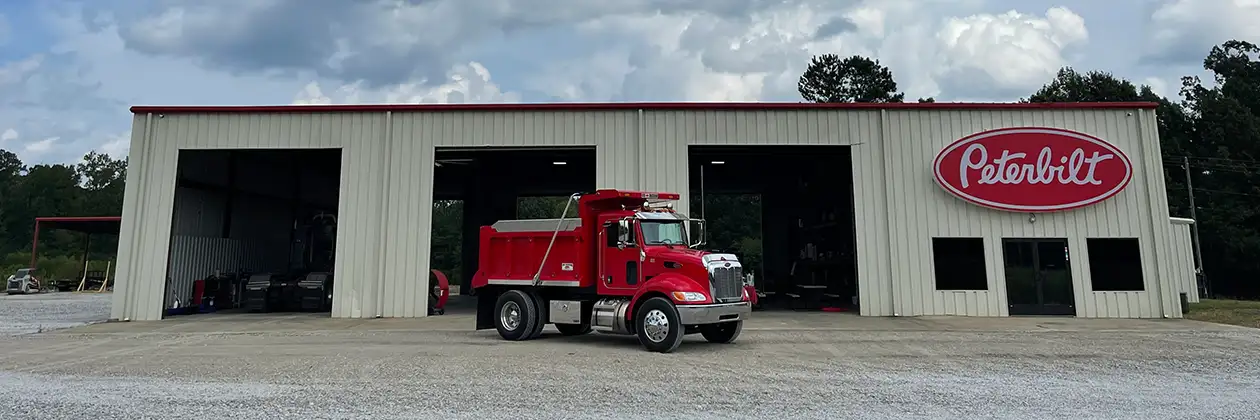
(624, 233)
(697, 232)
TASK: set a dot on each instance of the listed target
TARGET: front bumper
(713, 313)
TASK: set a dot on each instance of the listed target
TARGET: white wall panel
(923, 210)
(1181, 259)
(144, 244)
(386, 192)
(406, 212)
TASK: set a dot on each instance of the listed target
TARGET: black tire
(723, 333)
(573, 329)
(657, 311)
(539, 323)
(515, 315)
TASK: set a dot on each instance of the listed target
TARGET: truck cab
(626, 265)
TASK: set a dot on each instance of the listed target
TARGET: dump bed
(511, 251)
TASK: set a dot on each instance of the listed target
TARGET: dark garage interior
(254, 231)
(475, 187)
(787, 212)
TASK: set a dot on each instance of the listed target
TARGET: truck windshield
(663, 233)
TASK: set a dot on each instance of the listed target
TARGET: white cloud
(1160, 86)
(465, 83)
(16, 72)
(117, 146)
(392, 51)
(9, 134)
(701, 57)
(40, 146)
(1000, 55)
(1184, 30)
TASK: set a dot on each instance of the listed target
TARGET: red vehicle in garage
(625, 265)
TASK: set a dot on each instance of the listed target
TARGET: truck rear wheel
(725, 332)
(515, 315)
(659, 326)
(538, 319)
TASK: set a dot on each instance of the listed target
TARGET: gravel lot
(436, 368)
(26, 314)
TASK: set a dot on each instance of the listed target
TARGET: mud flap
(486, 299)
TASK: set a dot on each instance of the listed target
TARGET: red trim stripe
(622, 106)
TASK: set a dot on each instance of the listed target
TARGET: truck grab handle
(554, 234)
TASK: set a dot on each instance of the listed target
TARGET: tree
(855, 79)
(928, 100)
(103, 179)
(1218, 130)
(1095, 86)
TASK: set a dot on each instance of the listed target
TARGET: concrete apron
(247, 323)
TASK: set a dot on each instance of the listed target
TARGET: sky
(69, 69)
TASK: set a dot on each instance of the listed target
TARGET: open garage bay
(475, 187)
(254, 231)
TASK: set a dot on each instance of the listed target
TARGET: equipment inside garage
(254, 231)
(476, 187)
(791, 204)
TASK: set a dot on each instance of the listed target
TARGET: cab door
(619, 256)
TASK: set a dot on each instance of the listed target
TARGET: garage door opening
(254, 231)
(787, 212)
(475, 187)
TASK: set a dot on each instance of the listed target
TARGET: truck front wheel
(659, 326)
(515, 315)
(725, 332)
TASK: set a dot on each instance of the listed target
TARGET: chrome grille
(727, 283)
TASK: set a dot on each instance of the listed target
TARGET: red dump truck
(625, 265)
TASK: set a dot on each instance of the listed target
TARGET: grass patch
(1234, 312)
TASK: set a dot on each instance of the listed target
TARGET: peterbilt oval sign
(1032, 169)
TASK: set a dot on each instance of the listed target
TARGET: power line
(1253, 161)
(1244, 169)
(1198, 190)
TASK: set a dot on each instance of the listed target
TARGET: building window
(959, 264)
(1115, 264)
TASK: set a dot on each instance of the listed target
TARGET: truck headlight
(689, 297)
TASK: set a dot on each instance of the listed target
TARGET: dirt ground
(786, 365)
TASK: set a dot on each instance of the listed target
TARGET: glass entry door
(1038, 277)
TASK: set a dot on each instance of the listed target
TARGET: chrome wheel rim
(656, 325)
(510, 316)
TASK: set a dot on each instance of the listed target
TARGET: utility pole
(1194, 230)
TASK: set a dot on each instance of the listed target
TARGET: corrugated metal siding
(870, 218)
(198, 213)
(194, 258)
(386, 197)
(668, 135)
(406, 212)
(923, 210)
(144, 243)
(1181, 261)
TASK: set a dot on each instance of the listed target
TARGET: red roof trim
(612, 106)
(80, 219)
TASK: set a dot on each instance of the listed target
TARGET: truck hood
(681, 254)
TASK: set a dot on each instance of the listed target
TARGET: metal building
(386, 192)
